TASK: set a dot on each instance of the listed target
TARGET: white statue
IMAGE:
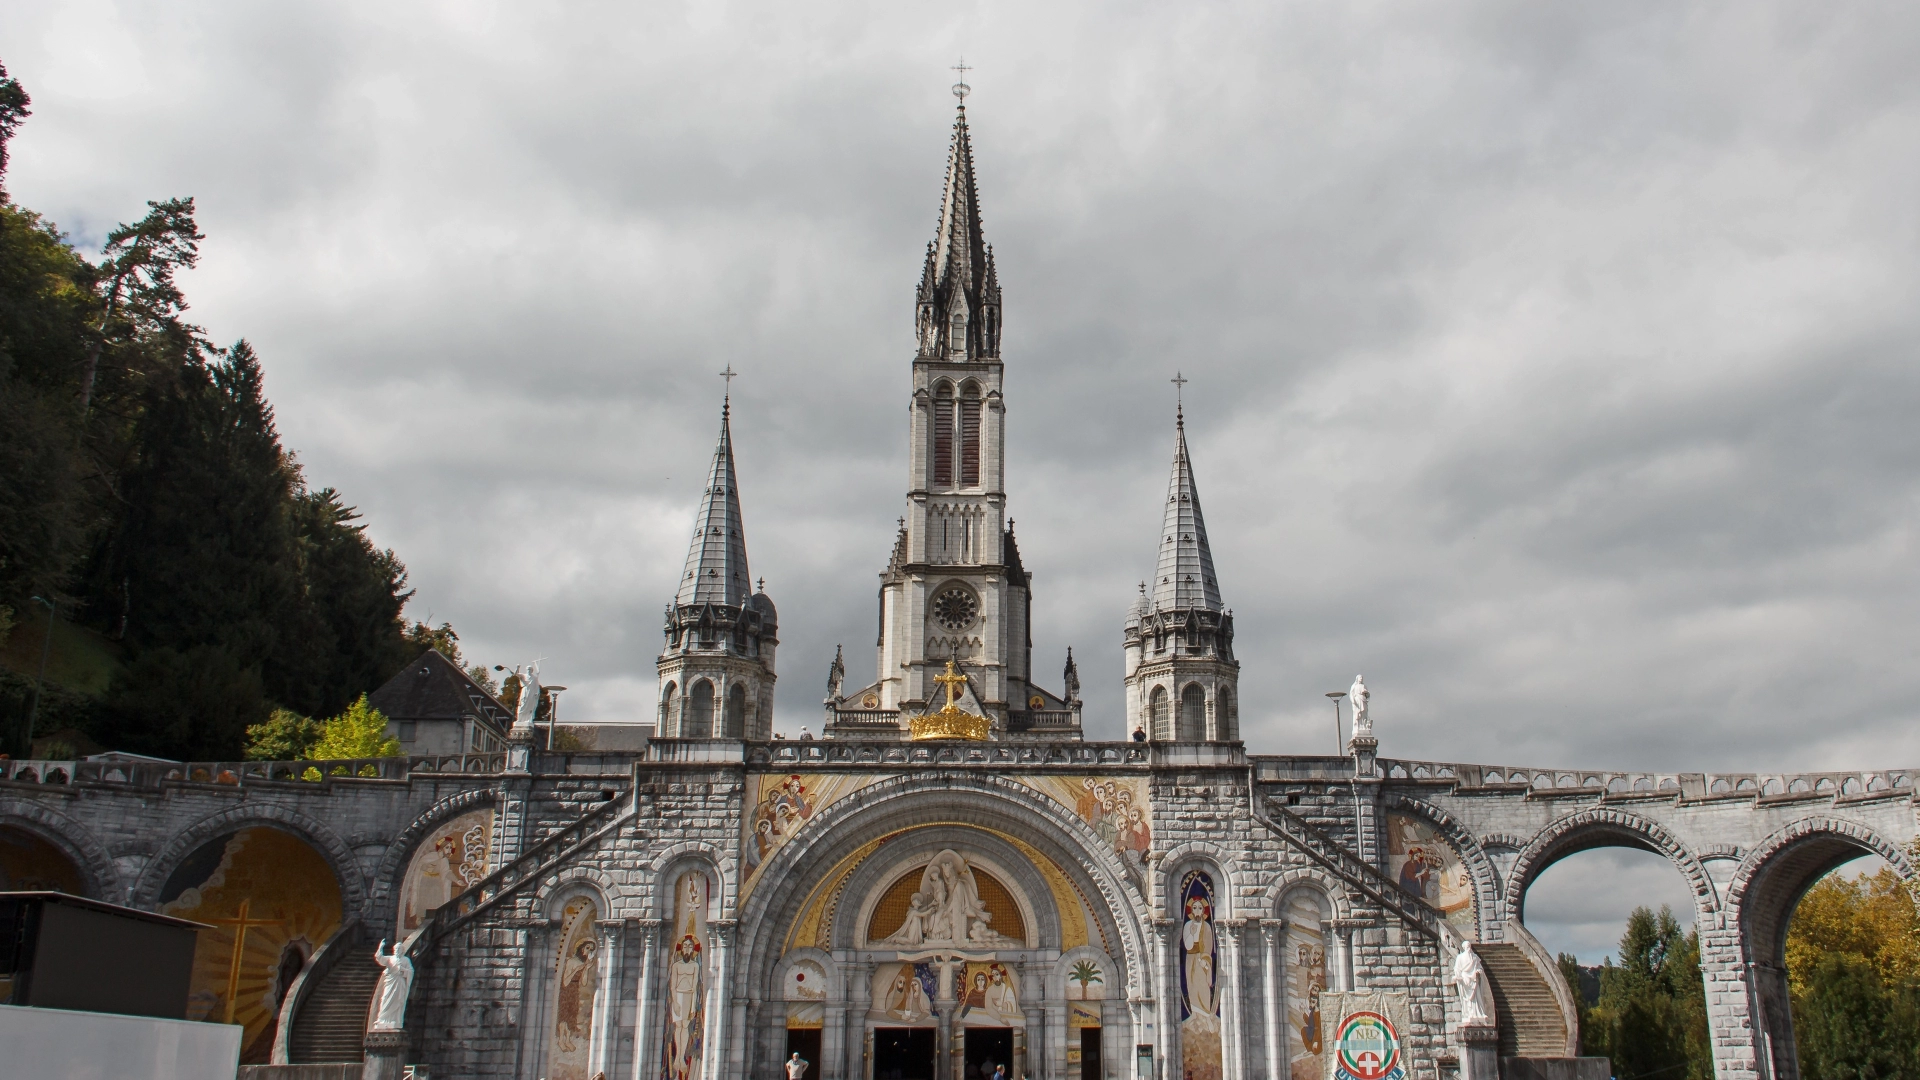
(947, 909)
(1358, 694)
(390, 997)
(1476, 990)
(529, 698)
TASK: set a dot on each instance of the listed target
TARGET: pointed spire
(716, 570)
(1185, 576)
(959, 294)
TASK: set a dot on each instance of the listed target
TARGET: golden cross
(241, 924)
(952, 680)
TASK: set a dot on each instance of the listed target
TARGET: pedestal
(384, 1049)
(1479, 1052)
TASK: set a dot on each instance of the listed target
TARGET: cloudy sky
(1551, 364)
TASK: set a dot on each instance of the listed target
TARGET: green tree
(285, 736)
(1853, 969)
(359, 732)
(1651, 1013)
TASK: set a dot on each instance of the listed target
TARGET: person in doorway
(796, 1067)
(999, 1072)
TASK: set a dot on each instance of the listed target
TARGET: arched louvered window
(970, 437)
(1158, 725)
(668, 699)
(1228, 714)
(699, 723)
(736, 712)
(1193, 714)
(943, 436)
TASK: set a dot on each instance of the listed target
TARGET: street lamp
(1339, 745)
(553, 710)
(46, 645)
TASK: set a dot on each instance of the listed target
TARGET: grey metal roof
(716, 571)
(1185, 575)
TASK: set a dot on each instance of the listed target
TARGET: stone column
(948, 1062)
(1272, 974)
(859, 1001)
(599, 1050)
(1233, 1049)
(1737, 1021)
(719, 1000)
(1167, 993)
(645, 997)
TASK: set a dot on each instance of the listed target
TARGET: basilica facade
(950, 880)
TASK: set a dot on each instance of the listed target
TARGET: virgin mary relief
(947, 909)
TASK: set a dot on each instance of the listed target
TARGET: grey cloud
(1552, 365)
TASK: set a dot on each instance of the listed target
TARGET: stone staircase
(332, 1021)
(1531, 1024)
(1355, 871)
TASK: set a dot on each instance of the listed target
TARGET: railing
(151, 774)
(841, 752)
(1530, 779)
(1356, 871)
(511, 878)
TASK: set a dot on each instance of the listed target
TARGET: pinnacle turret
(716, 571)
(1185, 575)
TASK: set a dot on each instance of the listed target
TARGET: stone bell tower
(1182, 679)
(954, 589)
(716, 670)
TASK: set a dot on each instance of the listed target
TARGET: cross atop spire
(961, 89)
(716, 571)
(1179, 382)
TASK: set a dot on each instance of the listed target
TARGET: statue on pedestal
(1358, 695)
(1476, 988)
(390, 996)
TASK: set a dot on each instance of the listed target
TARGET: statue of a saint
(1358, 694)
(1476, 990)
(390, 997)
(529, 698)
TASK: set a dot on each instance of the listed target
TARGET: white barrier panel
(59, 1044)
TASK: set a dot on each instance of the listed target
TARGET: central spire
(716, 570)
(958, 300)
(1185, 576)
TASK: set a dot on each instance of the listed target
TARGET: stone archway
(1761, 898)
(1597, 827)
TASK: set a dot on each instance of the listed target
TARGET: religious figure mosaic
(685, 1037)
(1427, 866)
(992, 997)
(1199, 964)
(1306, 981)
(904, 993)
(783, 803)
(1116, 808)
(451, 860)
(576, 984)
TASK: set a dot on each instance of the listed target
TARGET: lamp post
(553, 710)
(46, 645)
(1339, 747)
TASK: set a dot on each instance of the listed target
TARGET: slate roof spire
(959, 296)
(1185, 575)
(716, 570)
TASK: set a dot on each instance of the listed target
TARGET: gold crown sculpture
(952, 722)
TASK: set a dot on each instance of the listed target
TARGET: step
(1525, 1007)
(332, 1023)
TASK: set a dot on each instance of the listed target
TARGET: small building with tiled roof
(433, 707)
